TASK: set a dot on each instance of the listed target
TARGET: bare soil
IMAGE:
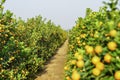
(54, 69)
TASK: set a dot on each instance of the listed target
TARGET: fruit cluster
(26, 45)
(94, 46)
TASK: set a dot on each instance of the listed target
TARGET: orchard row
(94, 45)
(26, 45)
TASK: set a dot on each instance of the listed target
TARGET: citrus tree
(94, 45)
(25, 46)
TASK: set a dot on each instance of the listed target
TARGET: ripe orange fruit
(98, 49)
(106, 35)
(66, 68)
(95, 60)
(96, 72)
(68, 78)
(86, 46)
(1, 58)
(83, 27)
(108, 38)
(79, 57)
(80, 63)
(100, 66)
(78, 42)
(117, 75)
(91, 34)
(96, 35)
(118, 25)
(113, 33)
(75, 75)
(112, 46)
(83, 43)
(78, 38)
(12, 58)
(83, 35)
(100, 23)
(89, 49)
(76, 54)
(73, 62)
(107, 58)
(71, 46)
(77, 25)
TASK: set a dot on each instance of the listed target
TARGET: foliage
(94, 46)
(26, 45)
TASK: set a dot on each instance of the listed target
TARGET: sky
(61, 12)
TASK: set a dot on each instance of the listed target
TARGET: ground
(54, 69)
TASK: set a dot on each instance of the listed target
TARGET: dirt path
(55, 68)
